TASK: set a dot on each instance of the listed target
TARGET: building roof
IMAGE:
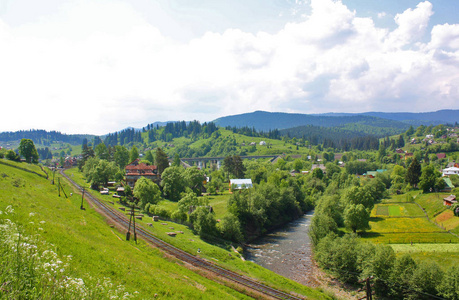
(441, 155)
(450, 198)
(241, 181)
(136, 168)
(448, 183)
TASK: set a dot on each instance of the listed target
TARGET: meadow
(401, 222)
(98, 251)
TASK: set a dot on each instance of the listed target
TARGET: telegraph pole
(82, 197)
(59, 185)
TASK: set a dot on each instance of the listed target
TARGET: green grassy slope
(100, 251)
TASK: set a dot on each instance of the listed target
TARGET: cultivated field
(402, 222)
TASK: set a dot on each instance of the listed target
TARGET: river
(286, 251)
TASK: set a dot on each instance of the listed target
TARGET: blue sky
(82, 66)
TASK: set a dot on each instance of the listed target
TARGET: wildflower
(42, 222)
(31, 214)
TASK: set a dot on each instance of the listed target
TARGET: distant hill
(265, 121)
(44, 137)
(450, 116)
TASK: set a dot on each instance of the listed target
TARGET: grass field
(403, 225)
(100, 251)
(397, 210)
(432, 203)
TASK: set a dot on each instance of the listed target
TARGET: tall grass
(31, 270)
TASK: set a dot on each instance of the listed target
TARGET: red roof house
(135, 170)
(450, 200)
(441, 155)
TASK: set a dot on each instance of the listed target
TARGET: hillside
(450, 116)
(266, 121)
(98, 253)
(93, 258)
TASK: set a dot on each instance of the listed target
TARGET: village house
(239, 184)
(135, 170)
(450, 171)
(320, 166)
(450, 200)
(448, 185)
(441, 155)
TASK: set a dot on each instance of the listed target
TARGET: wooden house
(450, 200)
(135, 170)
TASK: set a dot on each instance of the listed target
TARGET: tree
(161, 160)
(381, 152)
(99, 172)
(28, 151)
(149, 157)
(230, 228)
(194, 179)
(429, 179)
(173, 183)
(133, 154)
(234, 166)
(146, 191)
(413, 173)
(102, 151)
(318, 173)
(449, 287)
(176, 161)
(204, 221)
(121, 156)
(297, 165)
(11, 155)
(356, 217)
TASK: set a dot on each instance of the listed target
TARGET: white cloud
(412, 24)
(97, 67)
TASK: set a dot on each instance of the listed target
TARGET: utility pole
(54, 172)
(82, 197)
(131, 219)
(59, 185)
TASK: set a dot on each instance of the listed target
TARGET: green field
(405, 227)
(398, 210)
(100, 251)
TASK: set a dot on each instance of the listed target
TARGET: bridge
(217, 160)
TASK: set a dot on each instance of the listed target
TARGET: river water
(286, 251)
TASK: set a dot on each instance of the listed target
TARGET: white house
(241, 183)
(450, 171)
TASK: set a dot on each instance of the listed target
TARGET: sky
(94, 67)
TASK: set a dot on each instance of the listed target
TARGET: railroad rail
(121, 220)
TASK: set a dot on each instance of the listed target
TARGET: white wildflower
(31, 214)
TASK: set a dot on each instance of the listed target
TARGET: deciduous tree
(413, 173)
(146, 191)
(161, 160)
(28, 151)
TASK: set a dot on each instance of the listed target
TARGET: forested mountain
(44, 137)
(450, 116)
(265, 121)
(335, 137)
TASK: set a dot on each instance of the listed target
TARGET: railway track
(122, 221)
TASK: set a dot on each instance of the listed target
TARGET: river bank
(287, 251)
